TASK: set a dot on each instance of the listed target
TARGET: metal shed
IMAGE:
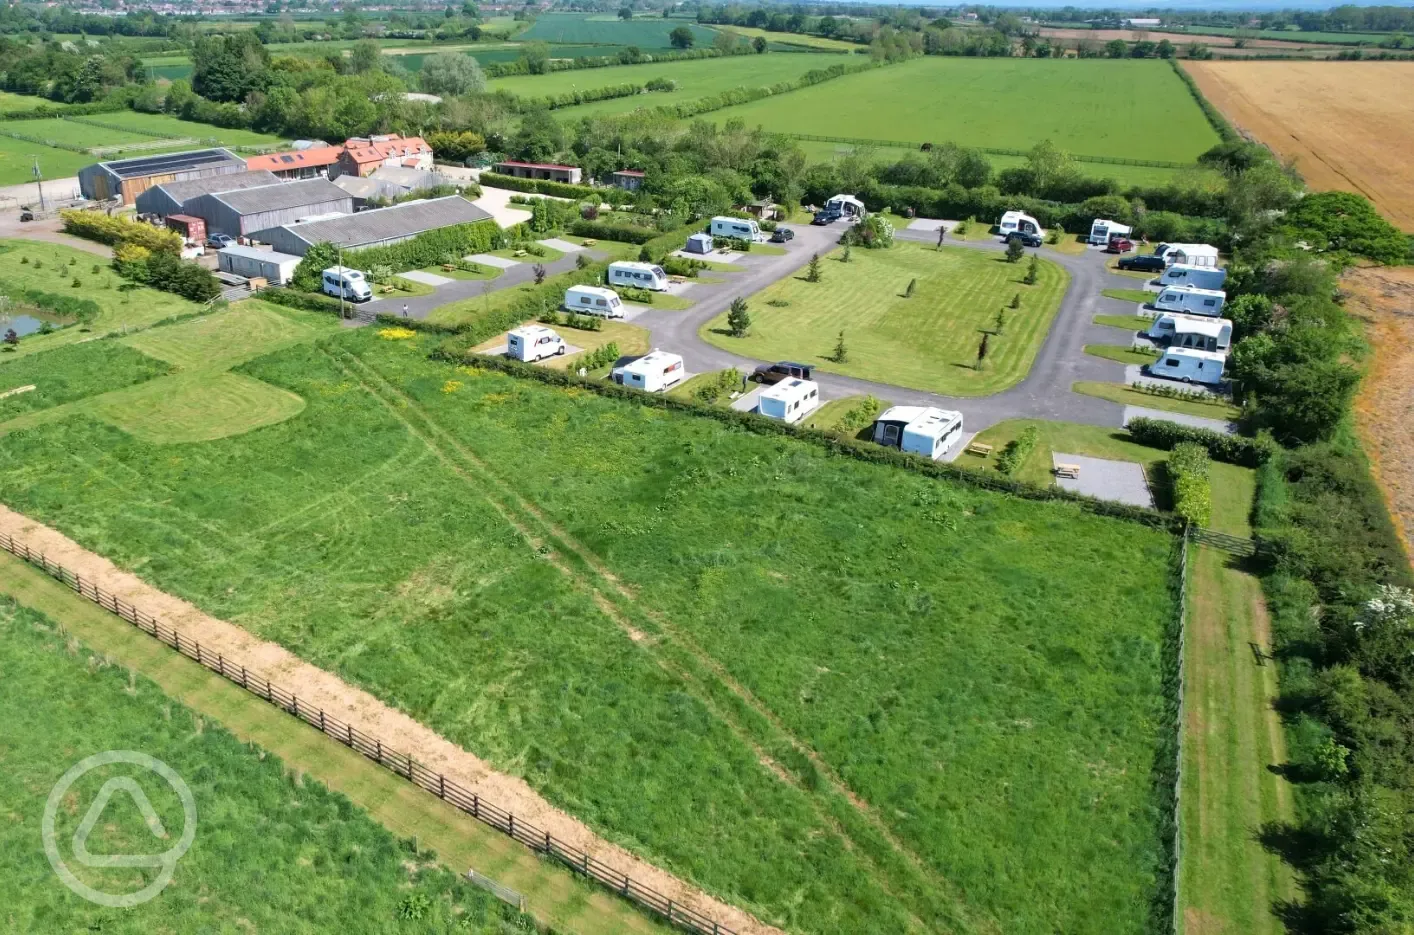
(241, 212)
(375, 228)
(128, 178)
(172, 197)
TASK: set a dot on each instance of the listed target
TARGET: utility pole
(39, 183)
(340, 252)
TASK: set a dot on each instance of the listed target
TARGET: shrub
(1017, 450)
(65, 306)
(682, 266)
(1014, 251)
(310, 302)
(607, 230)
(1234, 449)
(859, 415)
(738, 318)
(601, 357)
(92, 225)
(1188, 474)
(874, 232)
(540, 186)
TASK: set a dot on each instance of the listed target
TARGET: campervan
(533, 342)
(350, 284)
(1014, 221)
(918, 429)
(1102, 231)
(1203, 277)
(654, 371)
(639, 275)
(1189, 254)
(1191, 300)
(1189, 366)
(740, 228)
(1197, 331)
(790, 400)
(594, 300)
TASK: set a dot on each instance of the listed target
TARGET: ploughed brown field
(1182, 39)
(1348, 125)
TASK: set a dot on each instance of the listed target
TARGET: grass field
(1120, 353)
(970, 732)
(17, 159)
(11, 101)
(1345, 124)
(608, 29)
(1138, 296)
(270, 847)
(1124, 395)
(175, 128)
(1129, 323)
(71, 372)
(72, 133)
(1137, 109)
(796, 39)
(929, 341)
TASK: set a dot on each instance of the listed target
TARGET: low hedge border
(1234, 449)
(545, 187)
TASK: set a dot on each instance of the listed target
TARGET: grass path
(555, 896)
(1128, 396)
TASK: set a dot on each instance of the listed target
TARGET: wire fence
(464, 800)
(992, 151)
(1178, 927)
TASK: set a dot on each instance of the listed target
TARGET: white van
(1102, 230)
(1196, 331)
(350, 284)
(1191, 300)
(741, 228)
(1201, 277)
(1190, 366)
(638, 275)
(919, 429)
(594, 300)
(1014, 221)
(790, 400)
(533, 342)
(653, 372)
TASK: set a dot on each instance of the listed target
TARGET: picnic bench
(520, 253)
(449, 267)
(979, 448)
(588, 243)
(1068, 470)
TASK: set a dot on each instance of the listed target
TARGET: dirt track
(1348, 125)
(355, 706)
(1182, 39)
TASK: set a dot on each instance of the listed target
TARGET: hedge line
(309, 301)
(66, 306)
(602, 230)
(575, 98)
(521, 67)
(542, 187)
(1234, 449)
(44, 111)
(703, 105)
(1215, 117)
(1192, 492)
(429, 248)
(94, 225)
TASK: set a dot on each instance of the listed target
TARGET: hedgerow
(542, 187)
(1234, 449)
(94, 225)
(1188, 473)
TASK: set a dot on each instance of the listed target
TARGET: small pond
(29, 321)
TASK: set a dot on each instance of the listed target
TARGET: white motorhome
(1203, 277)
(594, 300)
(846, 206)
(639, 275)
(1190, 366)
(533, 342)
(350, 284)
(1014, 221)
(655, 371)
(919, 429)
(790, 400)
(1197, 331)
(1101, 231)
(741, 228)
(1190, 254)
(1191, 300)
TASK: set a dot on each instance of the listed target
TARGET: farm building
(128, 178)
(240, 213)
(375, 228)
(764, 210)
(172, 197)
(362, 155)
(389, 182)
(275, 268)
(314, 162)
(539, 170)
(630, 180)
(920, 430)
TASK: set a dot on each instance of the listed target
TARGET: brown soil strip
(339, 699)
(1383, 298)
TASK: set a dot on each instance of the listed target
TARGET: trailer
(790, 400)
(594, 300)
(1102, 231)
(1188, 365)
(533, 342)
(920, 430)
(1196, 331)
(275, 268)
(1191, 300)
(638, 275)
(1190, 254)
(740, 228)
(1202, 277)
(653, 372)
(1013, 222)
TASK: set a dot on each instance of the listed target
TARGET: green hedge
(1215, 117)
(95, 225)
(1234, 449)
(1014, 454)
(83, 310)
(429, 248)
(1188, 473)
(309, 301)
(542, 187)
(602, 230)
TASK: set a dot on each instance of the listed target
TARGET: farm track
(586, 572)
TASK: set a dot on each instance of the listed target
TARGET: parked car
(781, 370)
(825, 217)
(1119, 245)
(1145, 263)
(1027, 238)
(220, 241)
(782, 234)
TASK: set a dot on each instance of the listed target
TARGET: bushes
(605, 230)
(600, 357)
(859, 415)
(92, 225)
(429, 248)
(682, 266)
(541, 187)
(310, 302)
(66, 306)
(1234, 449)
(1016, 451)
(731, 243)
(1188, 473)
(170, 273)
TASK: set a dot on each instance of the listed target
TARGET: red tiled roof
(378, 150)
(276, 162)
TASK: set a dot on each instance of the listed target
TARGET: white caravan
(790, 400)
(594, 300)
(741, 228)
(533, 342)
(918, 429)
(1202, 277)
(1196, 331)
(846, 206)
(653, 372)
(1190, 366)
(350, 284)
(1190, 254)
(1014, 221)
(1191, 300)
(1101, 231)
(638, 275)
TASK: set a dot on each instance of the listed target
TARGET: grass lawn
(615, 249)
(1069, 244)
(71, 372)
(608, 29)
(73, 133)
(486, 272)
(670, 303)
(828, 418)
(940, 701)
(928, 341)
(1129, 295)
(1128, 396)
(1005, 103)
(632, 342)
(12, 101)
(791, 38)
(551, 255)
(1127, 322)
(726, 382)
(177, 128)
(17, 159)
(402, 289)
(1120, 354)
(269, 845)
